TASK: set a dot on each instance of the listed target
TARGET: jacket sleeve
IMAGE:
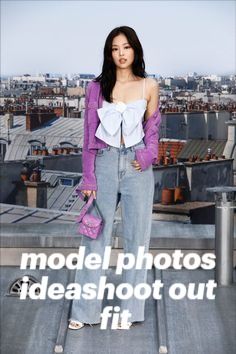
(148, 155)
(88, 181)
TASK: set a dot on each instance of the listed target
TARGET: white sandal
(75, 324)
(120, 326)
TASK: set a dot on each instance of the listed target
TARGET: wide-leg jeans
(117, 177)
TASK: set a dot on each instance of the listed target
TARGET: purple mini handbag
(89, 225)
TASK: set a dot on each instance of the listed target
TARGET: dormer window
(34, 145)
(68, 181)
(67, 147)
(66, 144)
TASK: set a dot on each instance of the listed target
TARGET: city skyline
(178, 37)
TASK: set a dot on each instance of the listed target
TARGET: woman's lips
(122, 61)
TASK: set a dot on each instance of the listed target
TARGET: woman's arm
(88, 182)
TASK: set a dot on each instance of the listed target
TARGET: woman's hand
(136, 165)
(87, 193)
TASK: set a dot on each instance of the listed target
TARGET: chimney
(9, 120)
(230, 147)
(31, 194)
(36, 194)
(36, 119)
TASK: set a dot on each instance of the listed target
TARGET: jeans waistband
(130, 148)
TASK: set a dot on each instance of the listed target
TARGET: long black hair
(107, 78)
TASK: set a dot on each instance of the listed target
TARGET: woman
(120, 144)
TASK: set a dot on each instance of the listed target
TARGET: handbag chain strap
(86, 206)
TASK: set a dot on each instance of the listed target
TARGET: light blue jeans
(116, 176)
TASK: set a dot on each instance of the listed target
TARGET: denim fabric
(116, 176)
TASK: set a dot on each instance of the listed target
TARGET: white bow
(111, 116)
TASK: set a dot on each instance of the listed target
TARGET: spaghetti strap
(144, 81)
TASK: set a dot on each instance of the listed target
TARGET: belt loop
(132, 148)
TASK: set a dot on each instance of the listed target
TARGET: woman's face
(122, 52)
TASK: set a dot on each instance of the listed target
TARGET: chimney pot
(9, 120)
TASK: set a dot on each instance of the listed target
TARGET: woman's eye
(115, 49)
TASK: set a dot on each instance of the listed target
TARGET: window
(66, 144)
(68, 181)
(33, 148)
(34, 145)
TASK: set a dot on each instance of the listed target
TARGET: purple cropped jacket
(145, 156)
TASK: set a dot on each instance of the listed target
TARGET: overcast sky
(178, 37)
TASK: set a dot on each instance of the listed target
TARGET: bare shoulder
(152, 88)
(152, 84)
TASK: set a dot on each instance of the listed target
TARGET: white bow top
(125, 116)
(130, 115)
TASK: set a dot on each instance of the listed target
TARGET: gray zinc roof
(177, 327)
(199, 148)
(17, 214)
(52, 132)
(174, 327)
(62, 197)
